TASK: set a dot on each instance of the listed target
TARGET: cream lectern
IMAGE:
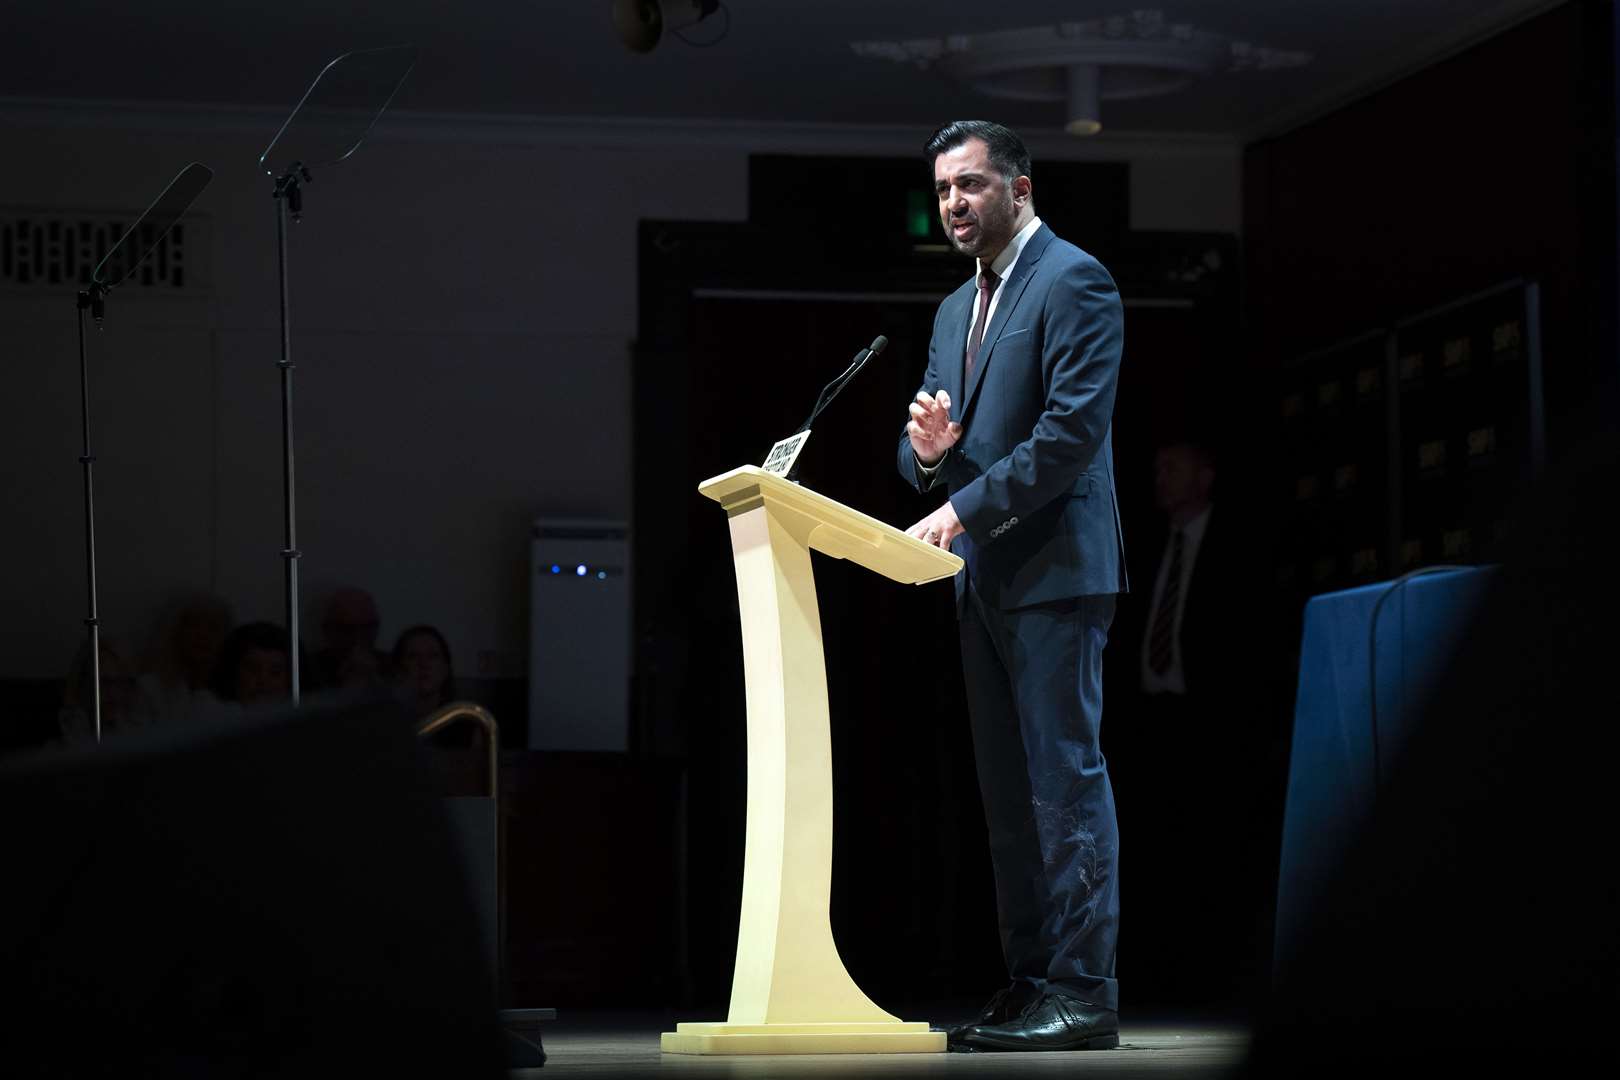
(790, 993)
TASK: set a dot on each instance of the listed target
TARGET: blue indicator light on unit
(601, 575)
(580, 569)
(555, 569)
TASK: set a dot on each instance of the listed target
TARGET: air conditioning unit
(579, 635)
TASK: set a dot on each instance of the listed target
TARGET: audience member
(1193, 756)
(1184, 645)
(175, 683)
(421, 666)
(359, 668)
(349, 626)
(426, 681)
(122, 705)
(254, 666)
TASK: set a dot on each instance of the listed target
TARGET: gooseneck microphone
(832, 389)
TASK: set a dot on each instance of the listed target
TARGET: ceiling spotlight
(641, 23)
(1084, 99)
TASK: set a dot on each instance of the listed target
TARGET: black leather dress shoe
(1054, 1022)
(1004, 1005)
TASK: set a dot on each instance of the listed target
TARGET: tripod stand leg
(287, 193)
(87, 460)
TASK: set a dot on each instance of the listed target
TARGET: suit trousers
(1034, 686)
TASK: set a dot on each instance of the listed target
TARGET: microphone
(833, 388)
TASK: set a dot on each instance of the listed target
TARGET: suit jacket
(1032, 477)
(1214, 614)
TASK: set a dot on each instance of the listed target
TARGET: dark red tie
(987, 289)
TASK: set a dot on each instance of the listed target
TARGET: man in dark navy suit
(1030, 348)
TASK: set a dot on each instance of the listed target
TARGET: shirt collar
(1194, 529)
(1009, 255)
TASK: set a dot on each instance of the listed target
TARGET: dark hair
(420, 629)
(80, 686)
(1007, 152)
(258, 635)
(1201, 450)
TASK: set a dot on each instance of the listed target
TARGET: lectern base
(885, 1038)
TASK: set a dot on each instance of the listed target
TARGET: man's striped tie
(987, 288)
(1164, 616)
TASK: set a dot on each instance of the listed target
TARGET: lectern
(790, 993)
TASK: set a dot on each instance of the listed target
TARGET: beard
(995, 223)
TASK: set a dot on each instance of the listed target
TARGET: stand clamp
(288, 186)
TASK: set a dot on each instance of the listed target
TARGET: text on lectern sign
(784, 453)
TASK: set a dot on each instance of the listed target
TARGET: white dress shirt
(1001, 267)
(1174, 679)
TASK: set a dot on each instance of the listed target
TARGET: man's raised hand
(931, 428)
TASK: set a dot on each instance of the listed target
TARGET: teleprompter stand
(131, 250)
(329, 124)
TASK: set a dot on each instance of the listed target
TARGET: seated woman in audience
(426, 682)
(421, 665)
(254, 666)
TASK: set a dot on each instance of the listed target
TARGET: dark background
(623, 879)
(1452, 181)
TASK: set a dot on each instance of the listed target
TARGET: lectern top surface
(874, 544)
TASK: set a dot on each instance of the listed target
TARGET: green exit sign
(920, 214)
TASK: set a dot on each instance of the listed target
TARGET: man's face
(263, 675)
(977, 206)
(351, 619)
(1181, 478)
(198, 636)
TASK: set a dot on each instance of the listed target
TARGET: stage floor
(626, 1044)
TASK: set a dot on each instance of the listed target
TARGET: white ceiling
(783, 60)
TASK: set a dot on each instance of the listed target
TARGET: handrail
(445, 715)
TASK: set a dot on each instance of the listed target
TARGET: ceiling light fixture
(641, 23)
(1083, 64)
